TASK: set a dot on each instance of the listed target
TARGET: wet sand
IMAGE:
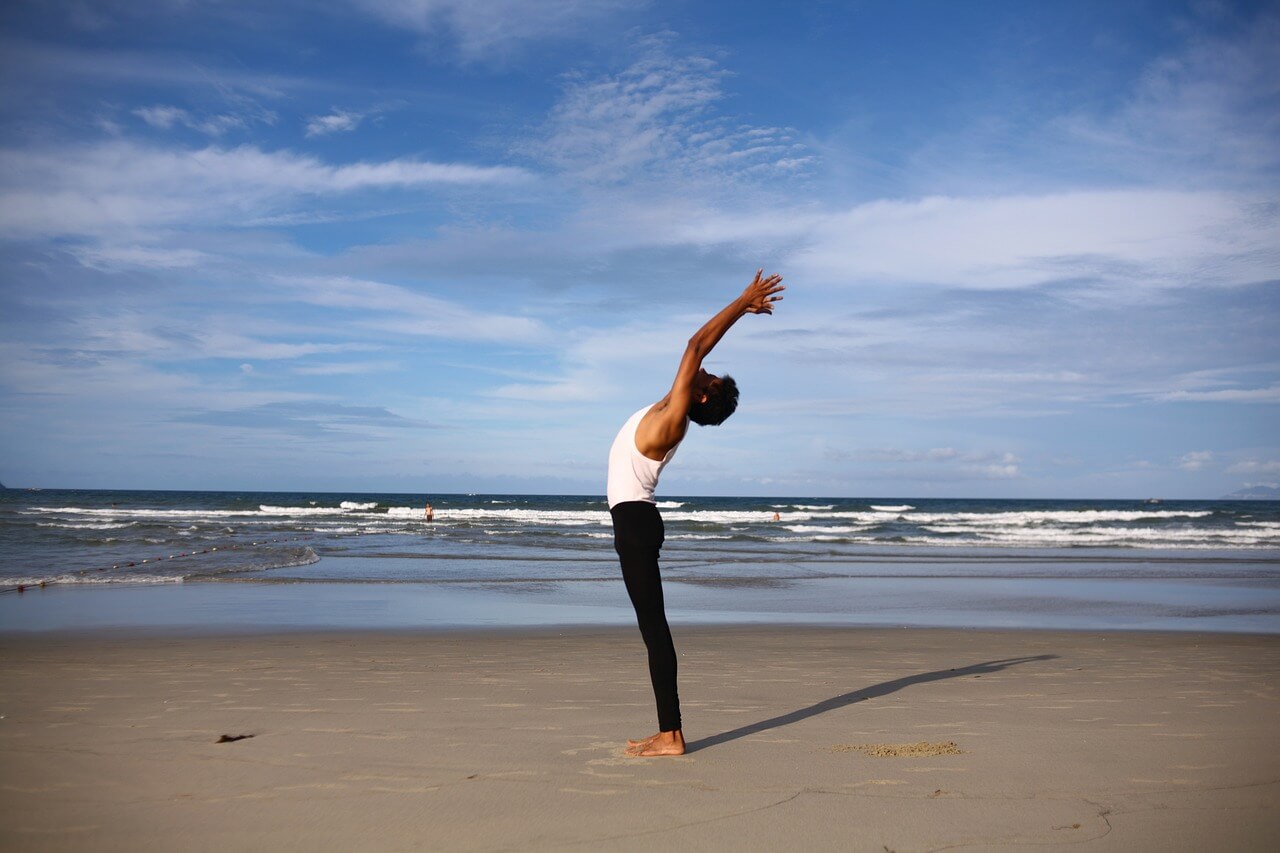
(800, 738)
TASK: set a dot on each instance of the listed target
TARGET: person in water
(642, 448)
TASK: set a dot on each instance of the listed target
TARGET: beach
(818, 738)
(247, 671)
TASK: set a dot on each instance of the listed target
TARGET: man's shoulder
(661, 429)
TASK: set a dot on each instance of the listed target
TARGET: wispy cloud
(155, 337)
(121, 184)
(407, 312)
(302, 419)
(494, 28)
(1129, 238)
(949, 462)
(1207, 109)
(347, 368)
(655, 120)
(1255, 466)
(165, 117)
(123, 256)
(1195, 460)
(338, 121)
(1270, 394)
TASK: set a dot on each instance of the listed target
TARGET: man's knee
(654, 628)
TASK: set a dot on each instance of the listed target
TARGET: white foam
(94, 578)
(116, 512)
(902, 508)
(1102, 536)
(267, 509)
(1013, 519)
(89, 526)
(813, 528)
(670, 504)
(571, 518)
(357, 506)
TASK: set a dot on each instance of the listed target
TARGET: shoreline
(1195, 605)
(822, 738)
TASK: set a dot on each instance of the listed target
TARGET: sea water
(317, 560)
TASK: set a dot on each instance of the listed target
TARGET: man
(643, 447)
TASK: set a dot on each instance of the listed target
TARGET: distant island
(1254, 493)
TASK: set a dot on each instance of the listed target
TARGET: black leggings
(637, 537)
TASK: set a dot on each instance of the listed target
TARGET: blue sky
(1032, 249)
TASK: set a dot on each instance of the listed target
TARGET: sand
(344, 741)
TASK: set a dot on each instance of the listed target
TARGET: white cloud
(1269, 394)
(1127, 243)
(119, 184)
(348, 368)
(162, 117)
(935, 454)
(1138, 238)
(492, 28)
(1195, 460)
(1255, 466)
(632, 362)
(941, 454)
(124, 379)
(339, 121)
(411, 313)
(114, 257)
(995, 472)
(165, 118)
(1206, 109)
(654, 120)
(948, 462)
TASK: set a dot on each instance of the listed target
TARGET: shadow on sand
(874, 691)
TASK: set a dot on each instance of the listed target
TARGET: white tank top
(632, 475)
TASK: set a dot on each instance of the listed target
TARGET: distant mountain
(1254, 493)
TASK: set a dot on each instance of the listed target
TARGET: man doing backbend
(643, 447)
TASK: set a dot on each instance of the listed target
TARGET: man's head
(714, 399)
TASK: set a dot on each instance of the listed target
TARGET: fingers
(764, 291)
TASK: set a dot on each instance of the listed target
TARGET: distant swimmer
(777, 517)
(429, 513)
(642, 448)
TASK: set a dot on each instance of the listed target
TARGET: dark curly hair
(721, 402)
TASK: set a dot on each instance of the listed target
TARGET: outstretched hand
(761, 293)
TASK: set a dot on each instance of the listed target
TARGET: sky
(437, 246)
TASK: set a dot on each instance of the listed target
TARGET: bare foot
(663, 743)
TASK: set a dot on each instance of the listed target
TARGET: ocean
(490, 560)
